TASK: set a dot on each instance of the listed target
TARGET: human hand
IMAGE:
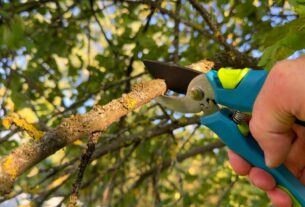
(280, 101)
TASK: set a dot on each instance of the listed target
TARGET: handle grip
(222, 124)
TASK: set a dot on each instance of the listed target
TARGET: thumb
(272, 118)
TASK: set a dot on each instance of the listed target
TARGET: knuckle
(279, 80)
(254, 129)
(284, 68)
(258, 129)
(280, 69)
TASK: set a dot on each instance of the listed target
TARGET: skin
(280, 101)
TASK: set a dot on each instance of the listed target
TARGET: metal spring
(239, 117)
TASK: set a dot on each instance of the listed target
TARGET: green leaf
(244, 10)
(299, 6)
(13, 33)
(18, 97)
(283, 42)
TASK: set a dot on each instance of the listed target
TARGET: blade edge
(177, 78)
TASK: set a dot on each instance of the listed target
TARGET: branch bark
(73, 128)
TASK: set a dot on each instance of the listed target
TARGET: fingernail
(269, 161)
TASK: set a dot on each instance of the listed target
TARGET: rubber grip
(222, 124)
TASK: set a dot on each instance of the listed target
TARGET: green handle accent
(244, 129)
(295, 203)
(230, 78)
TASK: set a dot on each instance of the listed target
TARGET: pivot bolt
(197, 93)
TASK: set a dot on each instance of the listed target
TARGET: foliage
(282, 42)
(61, 57)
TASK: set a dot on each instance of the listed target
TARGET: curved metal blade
(187, 103)
(177, 78)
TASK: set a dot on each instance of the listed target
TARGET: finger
(239, 165)
(261, 179)
(295, 162)
(302, 177)
(276, 146)
(279, 198)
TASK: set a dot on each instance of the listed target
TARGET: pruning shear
(226, 99)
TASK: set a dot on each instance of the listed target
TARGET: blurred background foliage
(61, 57)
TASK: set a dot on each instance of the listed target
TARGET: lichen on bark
(73, 128)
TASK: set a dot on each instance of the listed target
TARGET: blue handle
(243, 96)
(222, 124)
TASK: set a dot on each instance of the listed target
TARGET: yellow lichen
(9, 168)
(130, 103)
(23, 124)
(6, 123)
(78, 142)
(183, 120)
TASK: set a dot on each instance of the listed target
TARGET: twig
(9, 135)
(89, 43)
(195, 26)
(156, 193)
(225, 193)
(85, 160)
(235, 54)
(236, 59)
(176, 32)
(189, 138)
(212, 25)
(107, 194)
(99, 23)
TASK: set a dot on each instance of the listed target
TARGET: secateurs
(226, 99)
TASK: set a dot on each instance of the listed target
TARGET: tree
(60, 58)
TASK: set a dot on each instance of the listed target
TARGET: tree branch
(73, 128)
(225, 193)
(234, 54)
(85, 160)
